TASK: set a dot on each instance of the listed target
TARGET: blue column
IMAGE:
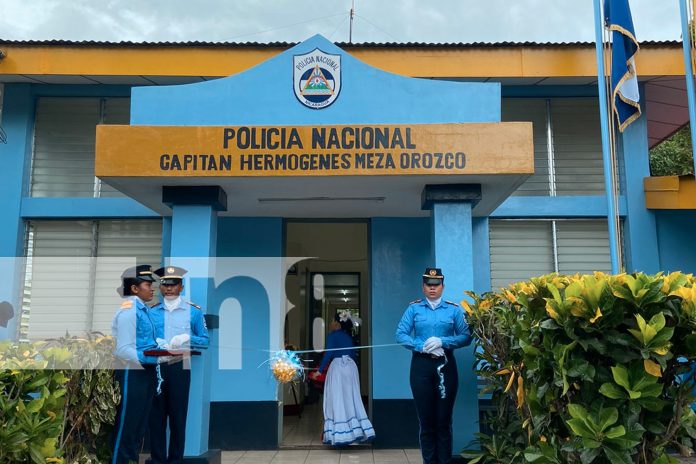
(193, 235)
(640, 229)
(482, 255)
(453, 251)
(454, 254)
(18, 123)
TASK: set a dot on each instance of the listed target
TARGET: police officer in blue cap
(134, 332)
(180, 324)
(432, 328)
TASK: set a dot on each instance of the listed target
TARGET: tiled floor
(323, 456)
(304, 430)
(302, 445)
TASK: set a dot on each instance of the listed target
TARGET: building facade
(225, 160)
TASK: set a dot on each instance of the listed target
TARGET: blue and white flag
(624, 80)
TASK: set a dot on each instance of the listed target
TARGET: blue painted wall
(102, 208)
(400, 249)
(482, 255)
(368, 96)
(18, 121)
(246, 237)
(675, 233)
(556, 207)
(640, 232)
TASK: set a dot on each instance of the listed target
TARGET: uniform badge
(170, 270)
(128, 304)
(433, 272)
(316, 78)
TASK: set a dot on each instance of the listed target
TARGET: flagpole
(606, 54)
(606, 153)
(688, 71)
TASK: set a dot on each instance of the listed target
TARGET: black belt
(418, 354)
(121, 364)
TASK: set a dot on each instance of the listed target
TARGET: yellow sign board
(241, 151)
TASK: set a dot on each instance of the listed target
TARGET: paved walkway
(323, 456)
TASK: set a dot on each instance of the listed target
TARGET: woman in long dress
(345, 419)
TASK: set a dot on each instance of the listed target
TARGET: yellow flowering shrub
(587, 368)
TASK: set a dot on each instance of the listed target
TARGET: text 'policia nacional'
(327, 148)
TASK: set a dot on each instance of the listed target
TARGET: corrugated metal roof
(95, 43)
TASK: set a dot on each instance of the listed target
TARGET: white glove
(431, 344)
(438, 352)
(179, 340)
(163, 359)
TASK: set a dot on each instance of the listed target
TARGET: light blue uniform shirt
(420, 322)
(134, 332)
(184, 318)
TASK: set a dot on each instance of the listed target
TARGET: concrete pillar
(453, 251)
(18, 123)
(193, 246)
(640, 229)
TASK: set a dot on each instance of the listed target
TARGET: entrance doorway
(334, 278)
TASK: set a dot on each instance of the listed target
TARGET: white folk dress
(345, 419)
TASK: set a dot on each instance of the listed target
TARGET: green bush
(588, 369)
(32, 403)
(674, 156)
(52, 409)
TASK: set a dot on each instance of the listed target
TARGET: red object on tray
(171, 353)
(318, 379)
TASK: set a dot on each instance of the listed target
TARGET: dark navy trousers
(170, 406)
(137, 389)
(434, 412)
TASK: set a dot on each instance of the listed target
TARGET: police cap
(433, 276)
(171, 275)
(136, 274)
(6, 313)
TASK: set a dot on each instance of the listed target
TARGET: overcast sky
(296, 20)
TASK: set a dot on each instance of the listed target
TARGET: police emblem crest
(316, 78)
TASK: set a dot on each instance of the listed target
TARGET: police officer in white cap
(180, 325)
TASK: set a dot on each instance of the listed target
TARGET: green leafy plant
(594, 368)
(673, 156)
(51, 408)
(92, 399)
(32, 400)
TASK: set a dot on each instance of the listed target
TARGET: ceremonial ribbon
(441, 386)
(159, 379)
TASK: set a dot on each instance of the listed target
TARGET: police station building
(317, 177)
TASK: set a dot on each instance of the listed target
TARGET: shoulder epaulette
(194, 305)
(452, 303)
(416, 301)
(128, 304)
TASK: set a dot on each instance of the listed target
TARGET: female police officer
(432, 329)
(135, 333)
